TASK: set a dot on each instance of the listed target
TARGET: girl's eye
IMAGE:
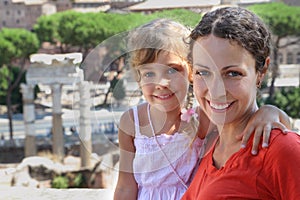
(234, 74)
(202, 73)
(149, 74)
(172, 70)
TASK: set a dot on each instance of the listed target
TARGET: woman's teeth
(219, 106)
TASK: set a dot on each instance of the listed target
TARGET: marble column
(29, 119)
(57, 126)
(85, 131)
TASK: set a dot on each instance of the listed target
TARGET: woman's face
(164, 82)
(224, 79)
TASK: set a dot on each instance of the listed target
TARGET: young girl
(159, 145)
(231, 47)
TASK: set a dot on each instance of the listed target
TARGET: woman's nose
(217, 88)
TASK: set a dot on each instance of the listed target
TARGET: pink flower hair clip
(187, 114)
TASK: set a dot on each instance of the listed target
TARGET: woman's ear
(262, 73)
(266, 66)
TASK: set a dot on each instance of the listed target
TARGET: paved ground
(22, 193)
(45, 192)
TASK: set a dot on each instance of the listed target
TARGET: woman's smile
(220, 107)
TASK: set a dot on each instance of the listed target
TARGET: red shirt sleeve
(282, 166)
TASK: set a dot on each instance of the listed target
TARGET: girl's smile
(165, 82)
(164, 97)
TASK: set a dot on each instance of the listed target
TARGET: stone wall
(22, 193)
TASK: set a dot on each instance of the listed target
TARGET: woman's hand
(261, 123)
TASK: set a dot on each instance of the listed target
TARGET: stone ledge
(23, 193)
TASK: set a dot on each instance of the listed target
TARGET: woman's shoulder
(284, 145)
(277, 136)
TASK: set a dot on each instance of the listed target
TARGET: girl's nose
(163, 82)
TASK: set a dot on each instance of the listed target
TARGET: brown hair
(239, 25)
(147, 41)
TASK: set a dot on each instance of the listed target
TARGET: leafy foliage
(283, 20)
(186, 17)
(60, 182)
(4, 72)
(79, 181)
(288, 99)
(87, 30)
(24, 43)
(67, 22)
(16, 98)
(46, 28)
(16, 46)
(7, 50)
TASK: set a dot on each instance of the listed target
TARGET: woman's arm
(261, 123)
(126, 188)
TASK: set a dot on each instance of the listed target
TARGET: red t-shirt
(273, 174)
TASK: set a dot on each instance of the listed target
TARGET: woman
(230, 56)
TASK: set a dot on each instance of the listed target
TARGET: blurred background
(64, 80)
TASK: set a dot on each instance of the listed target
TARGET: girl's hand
(261, 124)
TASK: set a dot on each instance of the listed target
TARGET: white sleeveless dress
(164, 164)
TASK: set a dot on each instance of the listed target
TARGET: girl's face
(224, 79)
(164, 82)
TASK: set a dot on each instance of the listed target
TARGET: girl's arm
(126, 188)
(261, 123)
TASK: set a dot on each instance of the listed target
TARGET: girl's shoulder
(127, 121)
(129, 114)
(142, 110)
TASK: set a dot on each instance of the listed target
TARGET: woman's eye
(234, 73)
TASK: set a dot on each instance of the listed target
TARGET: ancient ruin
(57, 70)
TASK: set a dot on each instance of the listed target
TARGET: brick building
(24, 13)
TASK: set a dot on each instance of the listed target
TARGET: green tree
(184, 16)
(284, 21)
(7, 50)
(67, 22)
(16, 96)
(75, 31)
(84, 31)
(46, 28)
(288, 99)
(20, 44)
